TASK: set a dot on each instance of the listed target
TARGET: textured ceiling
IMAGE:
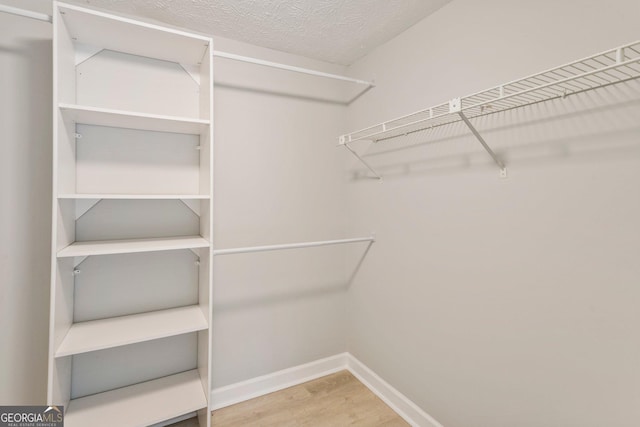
(338, 31)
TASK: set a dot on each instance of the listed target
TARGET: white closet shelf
(603, 69)
(134, 196)
(138, 38)
(111, 247)
(132, 120)
(139, 405)
(124, 330)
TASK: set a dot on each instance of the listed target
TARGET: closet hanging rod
(25, 13)
(250, 249)
(217, 53)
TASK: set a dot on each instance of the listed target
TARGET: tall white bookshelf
(130, 327)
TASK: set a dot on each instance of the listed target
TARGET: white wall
(278, 179)
(25, 207)
(503, 302)
(488, 302)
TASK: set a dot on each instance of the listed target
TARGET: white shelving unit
(132, 178)
(602, 69)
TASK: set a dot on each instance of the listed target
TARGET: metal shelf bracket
(455, 106)
(357, 156)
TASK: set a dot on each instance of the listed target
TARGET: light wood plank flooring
(332, 401)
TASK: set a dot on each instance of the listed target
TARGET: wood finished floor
(332, 401)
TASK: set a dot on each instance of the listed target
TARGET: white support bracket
(84, 52)
(77, 261)
(455, 106)
(193, 71)
(357, 156)
(85, 205)
(192, 204)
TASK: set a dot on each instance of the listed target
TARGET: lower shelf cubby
(141, 404)
(132, 319)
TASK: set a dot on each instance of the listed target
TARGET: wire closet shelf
(606, 68)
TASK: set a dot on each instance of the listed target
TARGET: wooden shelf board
(118, 331)
(134, 37)
(132, 120)
(111, 247)
(139, 405)
(134, 196)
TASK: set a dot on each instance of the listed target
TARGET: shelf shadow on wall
(556, 150)
(558, 129)
(280, 298)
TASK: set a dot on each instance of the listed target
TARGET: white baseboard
(401, 404)
(259, 386)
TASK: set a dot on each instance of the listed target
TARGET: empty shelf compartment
(139, 405)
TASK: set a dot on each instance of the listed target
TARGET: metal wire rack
(602, 69)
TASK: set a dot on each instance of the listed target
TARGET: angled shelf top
(603, 69)
(132, 120)
(111, 247)
(139, 405)
(117, 331)
(126, 35)
(105, 196)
